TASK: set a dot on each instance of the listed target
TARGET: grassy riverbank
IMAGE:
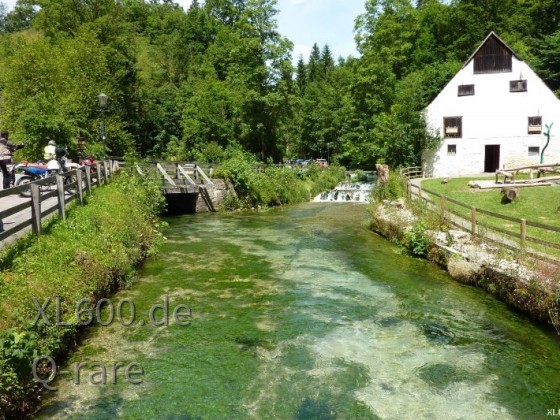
(530, 286)
(89, 255)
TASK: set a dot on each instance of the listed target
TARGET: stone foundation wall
(212, 197)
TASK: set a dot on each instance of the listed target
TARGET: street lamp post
(102, 107)
(80, 143)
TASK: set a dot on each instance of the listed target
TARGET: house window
(465, 90)
(535, 125)
(451, 149)
(452, 127)
(518, 86)
(534, 150)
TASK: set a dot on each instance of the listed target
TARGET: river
(302, 313)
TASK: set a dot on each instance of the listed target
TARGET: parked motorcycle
(92, 163)
(35, 171)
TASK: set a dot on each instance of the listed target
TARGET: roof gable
(492, 52)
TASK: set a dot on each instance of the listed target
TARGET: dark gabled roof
(492, 34)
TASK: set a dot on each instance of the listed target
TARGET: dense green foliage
(270, 185)
(89, 255)
(221, 73)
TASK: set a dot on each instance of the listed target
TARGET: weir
(356, 192)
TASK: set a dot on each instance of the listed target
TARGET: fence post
(442, 208)
(409, 189)
(420, 198)
(35, 209)
(88, 179)
(473, 222)
(60, 191)
(79, 186)
(105, 176)
(98, 169)
(523, 233)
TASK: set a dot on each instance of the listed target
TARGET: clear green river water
(302, 313)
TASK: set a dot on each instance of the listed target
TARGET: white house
(493, 114)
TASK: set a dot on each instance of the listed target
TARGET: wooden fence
(412, 172)
(66, 188)
(481, 223)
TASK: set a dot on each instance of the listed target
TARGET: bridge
(186, 186)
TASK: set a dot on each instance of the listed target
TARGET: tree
(327, 62)
(314, 64)
(18, 19)
(548, 64)
(301, 75)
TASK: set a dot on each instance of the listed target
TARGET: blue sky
(330, 22)
(305, 22)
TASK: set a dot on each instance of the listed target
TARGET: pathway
(17, 218)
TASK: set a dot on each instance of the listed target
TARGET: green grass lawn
(535, 204)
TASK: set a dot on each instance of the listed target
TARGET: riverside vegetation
(525, 284)
(89, 255)
(273, 185)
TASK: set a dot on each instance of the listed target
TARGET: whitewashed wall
(492, 116)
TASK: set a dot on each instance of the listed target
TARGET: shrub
(393, 189)
(269, 185)
(211, 153)
(418, 240)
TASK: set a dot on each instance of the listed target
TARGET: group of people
(7, 149)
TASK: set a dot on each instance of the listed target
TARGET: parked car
(322, 163)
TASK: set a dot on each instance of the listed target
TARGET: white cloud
(303, 50)
(184, 3)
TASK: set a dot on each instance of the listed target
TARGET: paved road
(11, 221)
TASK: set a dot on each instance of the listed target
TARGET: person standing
(7, 149)
(49, 151)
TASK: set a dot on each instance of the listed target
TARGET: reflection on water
(302, 313)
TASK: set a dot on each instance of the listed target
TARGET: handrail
(165, 174)
(412, 172)
(185, 174)
(65, 187)
(204, 176)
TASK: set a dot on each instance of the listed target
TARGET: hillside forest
(193, 84)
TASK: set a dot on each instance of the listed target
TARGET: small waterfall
(346, 192)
